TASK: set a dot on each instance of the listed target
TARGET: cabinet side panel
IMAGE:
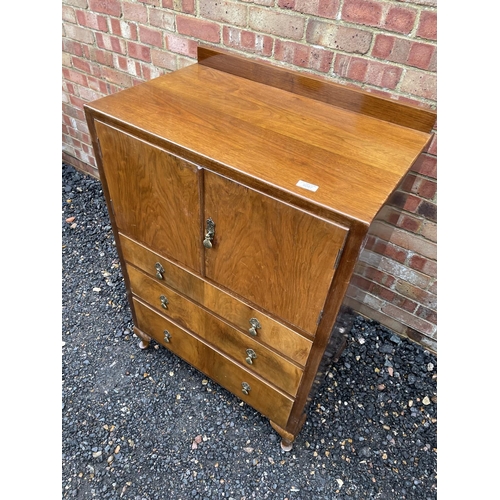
(277, 256)
(154, 195)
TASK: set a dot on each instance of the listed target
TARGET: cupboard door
(277, 256)
(154, 195)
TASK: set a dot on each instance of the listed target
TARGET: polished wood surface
(272, 333)
(267, 400)
(146, 184)
(276, 256)
(268, 364)
(292, 169)
(272, 138)
(319, 89)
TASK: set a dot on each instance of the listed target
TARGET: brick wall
(387, 47)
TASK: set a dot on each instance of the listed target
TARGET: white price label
(307, 185)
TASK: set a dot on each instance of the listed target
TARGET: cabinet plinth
(240, 195)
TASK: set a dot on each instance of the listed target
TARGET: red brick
(421, 55)
(400, 19)
(320, 8)
(72, 47)
(405, 201)
(380, 277)
(391, 48)
(110, 7)
(117, 77)
(391, 251)
(92, 20)
(423, 265)
(81, 64)
(135, 12)
(426, 165)
(427, 27)
(150, 36)
(75, 76)
(303, 55)
(418, 324)
(224, 12)
(186, 6)
(79, 34)
(427, 210)
(124, 29)
(403, 303)
(247, 40)
(338, 37)
(164, 59)
(427, 314)
(429, 230)
(427, 189)
(198, 28)
(68, 14)
(276, 23)
(156, 3)
(73, 112)
(181, 45)
(102, 57)
(162, 19)
(77, 3)
(139, 51)
(362, 12)
(366, 71)
(410, 223)
(383, 46)
(111, 43)
(415, 293)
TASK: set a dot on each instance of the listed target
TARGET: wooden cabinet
(240, 195)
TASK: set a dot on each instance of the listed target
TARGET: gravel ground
(143, 425)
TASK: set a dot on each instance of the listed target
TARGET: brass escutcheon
(255, 326)
(164, 301)
(159, 271)
(166, 336)
(250, 356)
(209, 233)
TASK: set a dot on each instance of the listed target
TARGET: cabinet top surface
(336, 158)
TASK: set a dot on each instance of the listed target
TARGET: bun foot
(286, 437)
(144, 339)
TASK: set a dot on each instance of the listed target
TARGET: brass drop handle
(255, 326)
(159, 271)
(245, 388)
(209, 233)
(164, 301)
(250, 356)
(166, 336)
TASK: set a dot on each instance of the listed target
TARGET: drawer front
(242, 348)
(264, 398)
(272, 333)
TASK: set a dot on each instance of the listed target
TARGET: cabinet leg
(287, 438)
(144, 340)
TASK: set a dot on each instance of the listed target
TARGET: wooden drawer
(265, 399)
(268, 364)
(272, 333)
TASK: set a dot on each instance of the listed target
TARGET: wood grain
(271, 136)
(154, 195)
(280, 258)
(317, 88)
(219, 334)
(271, 334)
(265, 399)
